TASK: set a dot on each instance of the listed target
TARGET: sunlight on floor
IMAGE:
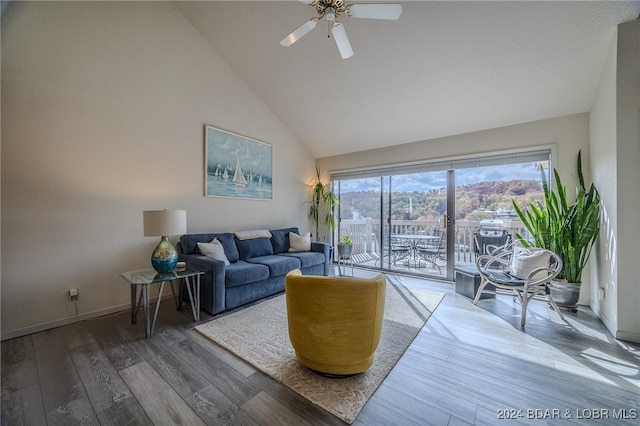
(528, 348)
(629, 371)
(578, 327)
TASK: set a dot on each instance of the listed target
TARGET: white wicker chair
(496, 271)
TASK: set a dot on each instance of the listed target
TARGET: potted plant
(344, 246)
(568, 229)
(322, 205)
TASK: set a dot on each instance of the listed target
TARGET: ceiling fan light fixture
(330, 14)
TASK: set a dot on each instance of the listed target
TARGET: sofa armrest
(325, 249)
(212, 289)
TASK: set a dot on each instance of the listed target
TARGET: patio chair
(433, 250)
(400, 249)
(524, 272)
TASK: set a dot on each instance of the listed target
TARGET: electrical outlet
(73, 294)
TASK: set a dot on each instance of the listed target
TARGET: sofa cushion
(309, 258)
(280, 239)
(228, 241)
(240, 273)
(189, 243)
(278, 265)
(254, 247)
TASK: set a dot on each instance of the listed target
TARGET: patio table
(414, 239)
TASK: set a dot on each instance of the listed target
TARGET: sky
(424, 182)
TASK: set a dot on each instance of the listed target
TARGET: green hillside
(473, 202)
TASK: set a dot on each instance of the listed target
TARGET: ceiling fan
(332, 9)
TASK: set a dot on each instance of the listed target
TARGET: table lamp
(162, 223)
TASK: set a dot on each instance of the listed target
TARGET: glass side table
(144, 278)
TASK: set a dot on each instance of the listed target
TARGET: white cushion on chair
(525, 260)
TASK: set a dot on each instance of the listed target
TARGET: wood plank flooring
(470, 365)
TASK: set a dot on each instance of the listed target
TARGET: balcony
(367, 251)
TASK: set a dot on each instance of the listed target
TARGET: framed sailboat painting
(237, 166)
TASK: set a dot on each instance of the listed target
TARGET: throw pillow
(525, 260)
(299, 243)
(214, 249)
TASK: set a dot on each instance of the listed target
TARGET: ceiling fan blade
(299, 32)
(306, 1)
(340, 36)
(375, 11)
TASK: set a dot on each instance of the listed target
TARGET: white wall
(603, 160)
(615, 142)
(103, 113)
(628, 170)
(570, 134)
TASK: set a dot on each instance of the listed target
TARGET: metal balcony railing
(367, 239)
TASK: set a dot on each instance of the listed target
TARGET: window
(411, 202)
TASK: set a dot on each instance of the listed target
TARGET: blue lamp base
(165, 257)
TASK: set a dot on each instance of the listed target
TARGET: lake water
(217, 186)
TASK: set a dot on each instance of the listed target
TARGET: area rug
(259, 335)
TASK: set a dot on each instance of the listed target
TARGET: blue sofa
(256, 270)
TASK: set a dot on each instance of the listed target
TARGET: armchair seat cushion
(503, 277)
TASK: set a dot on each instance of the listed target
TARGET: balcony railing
(366, 236)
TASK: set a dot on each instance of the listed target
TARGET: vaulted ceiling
(443, 68)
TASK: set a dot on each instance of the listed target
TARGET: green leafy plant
(568, 229)
(345, 239)
(322, 205)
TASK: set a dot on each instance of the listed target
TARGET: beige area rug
(259, 335)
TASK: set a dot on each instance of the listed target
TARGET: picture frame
(237, 166)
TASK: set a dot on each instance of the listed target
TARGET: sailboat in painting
(238, 176)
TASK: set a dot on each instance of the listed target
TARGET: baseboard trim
(617, 334)
(70, 320)
(628, 336)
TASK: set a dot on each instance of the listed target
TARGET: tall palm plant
(568, 229)
(322, 205)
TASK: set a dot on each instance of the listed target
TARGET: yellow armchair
(335, 323)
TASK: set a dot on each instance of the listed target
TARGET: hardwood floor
(469, 365)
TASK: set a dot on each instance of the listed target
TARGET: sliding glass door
(360, 217)
(424, 219)
(396, 222)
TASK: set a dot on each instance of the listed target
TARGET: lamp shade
(159, 223)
